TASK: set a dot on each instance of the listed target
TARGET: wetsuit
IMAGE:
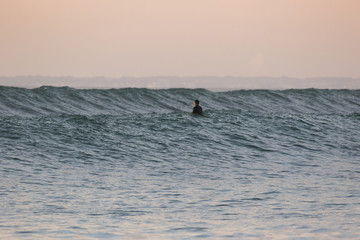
(197, 109)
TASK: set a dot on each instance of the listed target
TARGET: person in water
(197, 109)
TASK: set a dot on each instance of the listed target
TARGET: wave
(65, 100)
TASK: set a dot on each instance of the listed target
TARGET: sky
(116, 38)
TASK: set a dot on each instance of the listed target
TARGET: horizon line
(176, 76)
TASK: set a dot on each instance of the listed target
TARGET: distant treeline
(161, 82)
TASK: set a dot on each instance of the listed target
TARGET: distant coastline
(164, 82)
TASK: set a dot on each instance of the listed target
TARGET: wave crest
(65, 100)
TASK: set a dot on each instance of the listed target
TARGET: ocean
(135, 163)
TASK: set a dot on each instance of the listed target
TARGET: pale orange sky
(114, 38)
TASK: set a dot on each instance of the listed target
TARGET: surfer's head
(196, 102)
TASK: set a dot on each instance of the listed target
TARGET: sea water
(136, 164)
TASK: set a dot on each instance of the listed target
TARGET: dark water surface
(135, 164)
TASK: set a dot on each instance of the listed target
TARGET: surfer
(197, 109)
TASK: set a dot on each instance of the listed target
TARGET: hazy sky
(114, 38)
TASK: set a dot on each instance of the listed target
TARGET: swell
(225, 136)
(64, 100)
